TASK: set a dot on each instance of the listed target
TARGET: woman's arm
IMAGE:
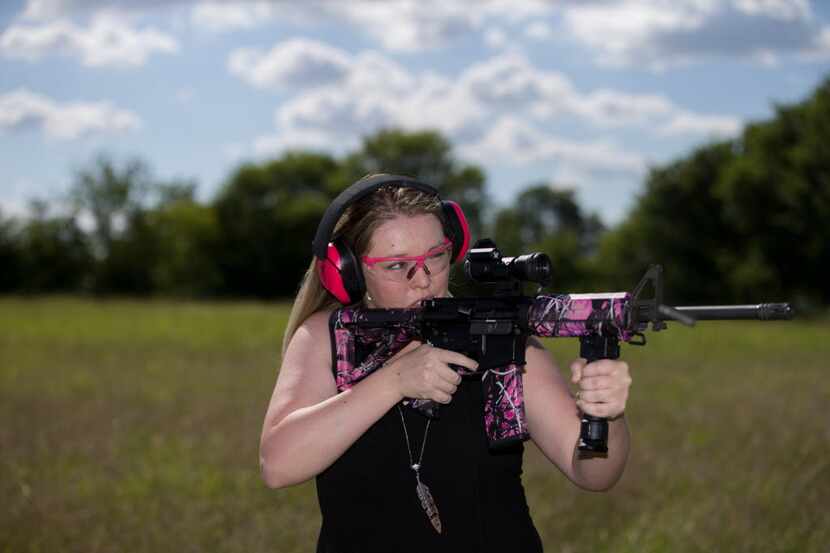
(309, 425)
(553, 418)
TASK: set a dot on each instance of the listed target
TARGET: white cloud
(510, 81)
(495, 38)
(823, 39)
(539, 30)
(412, 25)
(619, 32)
(653, 33)
(820, 49)
(492, 100)
(417, 25)
(330, 118)
(778, 9)
(396, 25)
(296, 63)
(343, 95)
(109, 40)
(231, 16)
(684, 123)
(512, 11)
(376, 93)
(515, 141)
(275, 144)
(442, 104)
(53, 9)
(337, 114)
(22, 109)
(370, 70)
(50, 9)
(660, 33)
(609, 108)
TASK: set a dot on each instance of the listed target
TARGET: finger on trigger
(461, 359)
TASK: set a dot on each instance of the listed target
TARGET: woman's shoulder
(317, 324)
(310, 345)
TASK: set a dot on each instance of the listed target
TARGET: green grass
(133, 426)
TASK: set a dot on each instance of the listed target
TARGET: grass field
(133, 426)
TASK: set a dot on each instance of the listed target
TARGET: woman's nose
(422, 278)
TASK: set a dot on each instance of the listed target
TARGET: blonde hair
(356, 227)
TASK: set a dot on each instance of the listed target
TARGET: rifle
(494, 331)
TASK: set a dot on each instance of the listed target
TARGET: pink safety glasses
(401, 269)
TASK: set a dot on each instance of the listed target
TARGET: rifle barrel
(761, 312)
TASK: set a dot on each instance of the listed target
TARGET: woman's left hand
(603, 386)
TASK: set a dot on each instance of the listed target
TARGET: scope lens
(535, 267)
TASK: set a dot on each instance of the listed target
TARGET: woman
(388, 478)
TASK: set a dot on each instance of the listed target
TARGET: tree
(677, 222)
(11, 255)
(547, 219)
(123, 244)
(426, 156)
(777, 196)
(187, 238)
(54, 253)
(267, 215)
(110, 195)
(739, 220)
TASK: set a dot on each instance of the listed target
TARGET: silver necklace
(424, 495)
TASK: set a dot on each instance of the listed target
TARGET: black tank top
(368, 500)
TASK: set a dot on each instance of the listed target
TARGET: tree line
(734, 221)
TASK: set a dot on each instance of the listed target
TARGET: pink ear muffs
(459, 229)
(340, 273)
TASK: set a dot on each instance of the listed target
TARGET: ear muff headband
(338, 267)
(353, 194)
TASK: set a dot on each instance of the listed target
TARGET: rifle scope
(484, 263)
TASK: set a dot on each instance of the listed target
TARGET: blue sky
(585, 94)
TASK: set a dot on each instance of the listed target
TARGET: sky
(578, 94)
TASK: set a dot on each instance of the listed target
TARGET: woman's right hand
(423, 371)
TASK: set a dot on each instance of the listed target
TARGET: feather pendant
(428, 504)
